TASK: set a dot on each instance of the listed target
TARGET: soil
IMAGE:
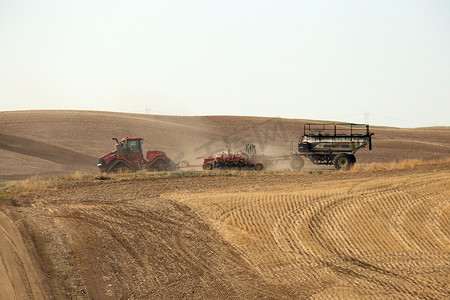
(53, 143)
(315, 234)
(381, 234)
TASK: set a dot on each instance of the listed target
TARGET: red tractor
(129, 156)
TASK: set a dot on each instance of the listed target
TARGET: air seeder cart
(331, 144)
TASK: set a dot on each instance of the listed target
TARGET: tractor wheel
(297, 163)
(353, 158)
(343, 161)
(208, 166)
(159, 165)
(121, 168)
(258, 167)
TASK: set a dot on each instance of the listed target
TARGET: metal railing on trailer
(335, 130)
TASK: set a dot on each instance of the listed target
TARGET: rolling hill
(63, 142)
(371, 233)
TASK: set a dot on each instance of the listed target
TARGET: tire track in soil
(271, 293)
(358, 268)
(178, 245)
(19, 277)
(435, 218)
(288, 234)
(326, 217)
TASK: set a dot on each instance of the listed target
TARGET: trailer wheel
(208, 166)
(353, 158)
(297, 162)
(258, 167)
(343, 161)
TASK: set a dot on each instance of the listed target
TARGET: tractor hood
(109, 156)
(104, 160)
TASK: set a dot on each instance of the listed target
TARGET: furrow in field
(380, 237)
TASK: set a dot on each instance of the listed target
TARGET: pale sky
(323, 60)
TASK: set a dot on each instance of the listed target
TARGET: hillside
(343, 235)
(63, 142)
(374, 232)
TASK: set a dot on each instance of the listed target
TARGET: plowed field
(54, 143)
(368, 234)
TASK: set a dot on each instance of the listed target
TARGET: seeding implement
(247, 159)
(129, 156)
(331, 144)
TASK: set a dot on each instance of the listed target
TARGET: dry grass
(32, 184)
(39, 183)
(401, 165)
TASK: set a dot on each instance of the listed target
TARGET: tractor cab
(129, 147)
(133, 146)
(130, 151)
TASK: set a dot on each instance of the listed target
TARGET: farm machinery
(246, 159)
(323, 144)
(331, 144)
(129, 156)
